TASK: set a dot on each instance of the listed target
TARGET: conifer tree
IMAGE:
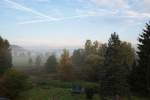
(5, 55)
(142, 83)
(114, 82)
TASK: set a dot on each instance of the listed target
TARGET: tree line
(116, 66)
(119, 69)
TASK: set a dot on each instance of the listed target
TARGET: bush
(89, 93)
(90, 89)
(12, 83)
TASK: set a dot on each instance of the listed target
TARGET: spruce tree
(114, 82)
(143, 69)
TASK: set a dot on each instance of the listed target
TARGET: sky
(68, 23)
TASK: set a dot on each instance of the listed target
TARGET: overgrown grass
(57, 90)
(46, 88)
(52, 93)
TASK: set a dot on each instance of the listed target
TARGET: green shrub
(89, 93)
(12, 83)
(90, 89)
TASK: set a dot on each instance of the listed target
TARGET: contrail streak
(27, 9)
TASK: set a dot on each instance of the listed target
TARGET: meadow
(48, 87)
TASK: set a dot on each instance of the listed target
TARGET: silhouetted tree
(142, 71)
(5, 56)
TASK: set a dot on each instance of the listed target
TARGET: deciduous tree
(65, 66)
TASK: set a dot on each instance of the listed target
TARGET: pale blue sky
(58, 23)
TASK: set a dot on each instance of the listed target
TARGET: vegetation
(65, 67)
(109, 71)
(12, 83)
(114, 82)
(140, 76)
(51, 64)
(5, 56)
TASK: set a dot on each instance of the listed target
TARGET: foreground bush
(12, 83)
(90, 90)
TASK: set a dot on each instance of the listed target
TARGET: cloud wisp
(56, 19)
(80, 14)
(126, 14)
(111, 3)
(18, 6)
(122, 11)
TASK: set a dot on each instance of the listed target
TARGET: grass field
(52, 90)
(46, 88)
(53, 93)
